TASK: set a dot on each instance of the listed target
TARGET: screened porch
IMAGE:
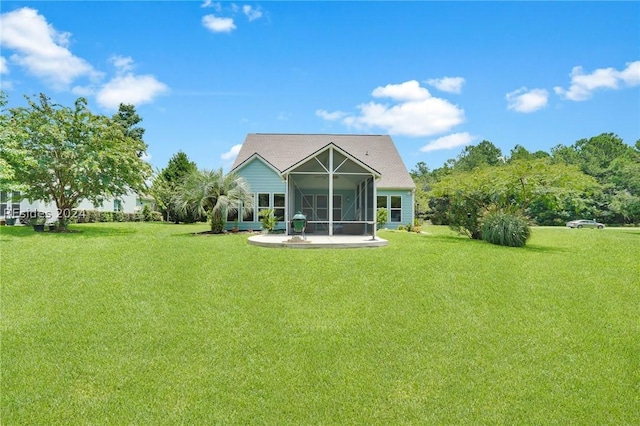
(335, 192)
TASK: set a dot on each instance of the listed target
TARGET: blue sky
(436, 76)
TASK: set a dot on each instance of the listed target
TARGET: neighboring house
(144, 200)
(12, 205)
(337, 181)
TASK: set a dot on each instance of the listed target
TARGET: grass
(147, 324)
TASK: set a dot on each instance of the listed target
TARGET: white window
(276, 203)
(278, 207)
(396, 208)
(248, 214)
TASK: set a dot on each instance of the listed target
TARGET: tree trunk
(217, 222)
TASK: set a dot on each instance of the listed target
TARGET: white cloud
(122, 63)
(447, 84)
(4, 68)
(213, 5)
(218, 25)
(130, 89)
(447, 142)
(631, 74)
(414, 113)
(525, 100)
(5, 84)
(232, 153)
(583, 85)
(330, 116)
(407, 91)
(41, 49)
(251, 13)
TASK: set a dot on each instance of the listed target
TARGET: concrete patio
(316, 241)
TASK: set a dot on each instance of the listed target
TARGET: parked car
(585, 223)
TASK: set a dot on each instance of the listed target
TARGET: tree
(167, 183)
(128, 119)
(212, 193)
(382, 216)
(614, 165)
(484, 154)
(597, 153)
(511, 188)
(420, 170)
(72, 154)
(565, 154)
(626, 205)
(10, 152)
(178, 167)
(624, 178)
(521, 153)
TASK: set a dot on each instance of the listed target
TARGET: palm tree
(215, 194)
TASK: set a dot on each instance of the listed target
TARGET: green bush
(133, 217)
(505, 229)
(382, 217)
(106, 216)
(267, 219)
(149, 215)
(92, 216)
(146, 213)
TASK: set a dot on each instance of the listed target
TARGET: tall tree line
(596, 178)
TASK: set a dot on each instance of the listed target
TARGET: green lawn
(141, 323)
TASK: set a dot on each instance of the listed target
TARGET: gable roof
(337, 148)
(283, 151)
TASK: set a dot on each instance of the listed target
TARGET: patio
(316, 241)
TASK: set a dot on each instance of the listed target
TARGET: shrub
(33, 217)
(267, 219)
(147, 213)
(505, 229)
(92, 216)
(106, 216)
(118, 217)
(400, 227)
(133, 217)
(156, 216)
(382, 216)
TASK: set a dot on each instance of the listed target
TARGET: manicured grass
(147, 324)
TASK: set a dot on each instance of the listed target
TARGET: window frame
(276, 209)
(393, 211)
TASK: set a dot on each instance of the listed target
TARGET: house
(337, 181)
(12, 204)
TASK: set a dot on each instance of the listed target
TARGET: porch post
(375, 206)
(330, 191)
(286, 204)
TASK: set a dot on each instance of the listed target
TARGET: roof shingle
(284, 150)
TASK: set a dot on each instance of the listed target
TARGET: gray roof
(284, 150)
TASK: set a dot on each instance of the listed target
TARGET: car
(585, 223)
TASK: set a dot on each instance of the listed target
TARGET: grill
(299, 223)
